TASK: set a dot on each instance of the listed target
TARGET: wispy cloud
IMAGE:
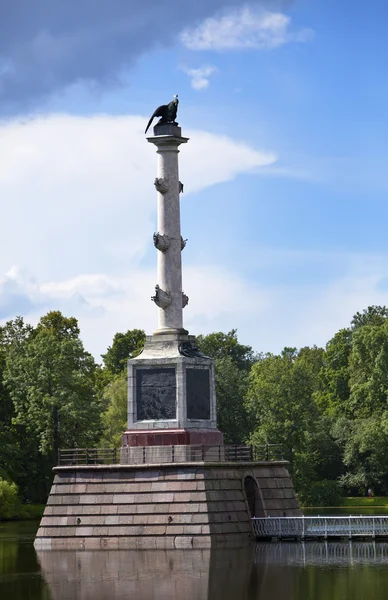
(200, 77)
(268, 314)
(46, 46)
(88, 202)
(21, 294)
(242, 29)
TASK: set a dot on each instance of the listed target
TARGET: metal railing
(320, 527)
(88, 456)
(168, 454)
(268, 452)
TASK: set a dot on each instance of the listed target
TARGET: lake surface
(266, 571)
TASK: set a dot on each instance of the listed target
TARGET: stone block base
(190, 505)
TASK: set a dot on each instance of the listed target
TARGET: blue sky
(285, 203)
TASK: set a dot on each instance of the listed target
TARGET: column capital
(167, 142)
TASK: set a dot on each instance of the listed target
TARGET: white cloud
(77, 193)
(78, 213)
(244, 28)
(21, 294)
(200, 77)
(268, 316)
(106, 304)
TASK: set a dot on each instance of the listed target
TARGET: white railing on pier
(321, 527)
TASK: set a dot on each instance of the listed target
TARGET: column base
(173, 437)
(171, 331)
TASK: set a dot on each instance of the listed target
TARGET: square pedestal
(171, 395)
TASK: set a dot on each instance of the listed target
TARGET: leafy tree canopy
(60, 326)
(114, 417)
(231, 387)
(373, 315)
(221, 345)
(280, 397)
(124, 346)
(50, 378)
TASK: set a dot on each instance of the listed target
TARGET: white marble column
(168, 295)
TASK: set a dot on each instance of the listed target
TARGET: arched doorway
(253, 496)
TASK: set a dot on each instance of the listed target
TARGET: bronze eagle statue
(166, 112)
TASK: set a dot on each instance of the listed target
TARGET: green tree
(60, 326)
(51, 380)
(280, 401)
(361, 424)
(114, 418)
(124, 346)
(281, 405)
(368, 370)
(334, 376)
(231, 387)
(14, 333)
(221, 345)
(364, 445)
(232, 362)
(9, 500)
(373, 315)
(13, 442)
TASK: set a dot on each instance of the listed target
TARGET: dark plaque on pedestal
(198, 393)
(155, 394)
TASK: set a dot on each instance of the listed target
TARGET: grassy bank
(25, 512)
(356, 502)
(366, 502)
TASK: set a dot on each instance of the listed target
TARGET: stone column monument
(176, 485)
(169, 296)
(171, 390)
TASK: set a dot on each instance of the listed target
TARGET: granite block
(111, 520)
(144, 508)
(148, 475)
(126, 519)
(192, 529)
(184, 475)
(165, 542)
(183, 542)
(123, 498)
(92, 543)
(154, 530)
(202, 518)
(174, 530)
(85, 531)
(156, 497)
(107, 509)
(203, 541)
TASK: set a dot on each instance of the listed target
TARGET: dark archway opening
(252, 493)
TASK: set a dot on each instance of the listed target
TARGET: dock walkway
(321, 527)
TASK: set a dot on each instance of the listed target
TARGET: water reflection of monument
(286, 571)
(142, 575)
(163, 575)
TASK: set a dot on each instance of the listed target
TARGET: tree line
(325, 408)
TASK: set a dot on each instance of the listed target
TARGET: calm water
(286, 571)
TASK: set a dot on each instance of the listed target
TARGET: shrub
(31, 511)
(321, 493)
(9, 500)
